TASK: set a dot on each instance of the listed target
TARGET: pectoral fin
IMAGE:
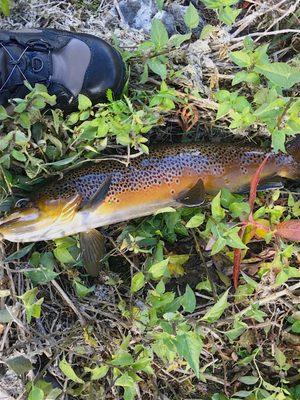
(99, 196)
(194, 196)
(92, 250)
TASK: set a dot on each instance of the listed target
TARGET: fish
(108, 192)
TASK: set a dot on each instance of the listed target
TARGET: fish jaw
(47, 219)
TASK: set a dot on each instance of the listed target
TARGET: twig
(261, 34)
(67, 299)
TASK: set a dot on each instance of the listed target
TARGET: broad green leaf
(219, 245)
(41, 275)
(204, 285)
(3, 113)
(82, 290)
(160, 269)
(278, 140)
(228, 15)
(188, 300)
(122, 359)
(19, 254)
(280, 357)
(97, 372)
(206, 31)
(191, 17)
(280, 74)
(189, 346)
(159, 34)
(36, 394)
(248, 380)
(125, 380)
(214, 313)
(84, 102)
(196, 221)
(157, 67)
(241, 58)
(178, 39)
(67, 369)
(137, 282)
(19, 364)
(160, 4)
(218, 212)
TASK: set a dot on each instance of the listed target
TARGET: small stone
(138, 13)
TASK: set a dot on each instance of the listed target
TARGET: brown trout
(108, 192)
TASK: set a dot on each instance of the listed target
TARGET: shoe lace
(15, 62)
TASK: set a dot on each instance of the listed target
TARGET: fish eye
(22, 203)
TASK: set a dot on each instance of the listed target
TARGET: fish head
(43, 220)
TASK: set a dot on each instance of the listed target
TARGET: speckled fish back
(164, 165)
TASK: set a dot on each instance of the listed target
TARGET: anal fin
(194, 196)
(92, 247)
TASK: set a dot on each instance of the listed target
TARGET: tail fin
(293, 149)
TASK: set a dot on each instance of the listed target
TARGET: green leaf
(3, 113)
(5, 7)
(280, 357)
(241, 58)
(188, 300)
(160, 269)
(189, 346)
(84, 102)
(219, 245)
(159, 34)
(82, 290)
(97, 372)
(278, 140)
(125, 380)
(32, 305)
(204, 285)
(296, 327)
(157, 67)
(177, 39)
(67, 369)
(160, 4)
(228, 15)
(214, 313)
(19, 364)
(206, 31)
(122, 359)
(196, 221)
(36, 394)
(217, 211)
(248, 380)
(41, 275)
(20, 253)
(191, 17)
(280, 74)
(137, 282)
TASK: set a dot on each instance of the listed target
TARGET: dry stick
(260, 34)
(214, 293)
(291, 10)
(272, 297)
(69, 302)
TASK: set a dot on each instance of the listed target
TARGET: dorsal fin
(99, 196)
(194, 196)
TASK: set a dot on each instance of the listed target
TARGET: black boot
(67, 63)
